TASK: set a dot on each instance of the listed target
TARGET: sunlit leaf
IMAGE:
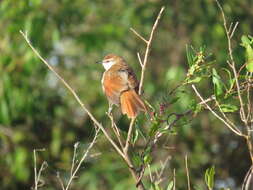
(209, 177)
(195, 80)
(247, 44)
(228, 108)
(189, 55)
(218, 85)
(170, 185)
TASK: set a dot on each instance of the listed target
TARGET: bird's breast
(113, 85)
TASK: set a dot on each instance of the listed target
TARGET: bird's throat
(108, 65)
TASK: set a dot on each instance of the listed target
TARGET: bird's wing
(129, 76)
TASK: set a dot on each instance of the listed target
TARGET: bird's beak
(99, 62)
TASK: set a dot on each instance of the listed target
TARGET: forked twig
(229, 36)
(235, 130)
(37, 174)
(148, 45)
(115, 130)
(137, 34)
(74, 169)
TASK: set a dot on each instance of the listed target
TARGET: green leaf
(174, 100)
(135, 136)
(249, 58)
(245, 40)
(147, 155)
(155, 186)
(154, 127)
(228, 108)
(189, 55)
(195, 80)
(170, 185)
(147, 159)
(137, 160)
(247, 44)
(209, 177)
(231, 79)
(218, 84)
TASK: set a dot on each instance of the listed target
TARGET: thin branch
(249, 103)
(74, 158)
(129, 135)
(115, 130)
(74, 94)
(163, 166)
(140, 36)
(37, 175)
(248, 179)
(233, 31)
(236, 131)
(139, 58)
(144, 63)
(60, 180)
(224, 115)
(187, 173)
(73, 173)
(174, 179)
(150, 174)
(230, 51)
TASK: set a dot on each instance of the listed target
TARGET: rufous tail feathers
(131, 103)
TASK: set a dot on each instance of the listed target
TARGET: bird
(120, 86)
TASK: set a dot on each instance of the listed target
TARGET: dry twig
(148, 45)
(37, 174)
(229, 35)
(235, 130)
(74, 169)
(187, 173)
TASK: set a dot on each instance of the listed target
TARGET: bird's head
(111, 59)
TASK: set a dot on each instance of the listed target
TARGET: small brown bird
(120, 85)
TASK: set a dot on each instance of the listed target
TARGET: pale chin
(108, 65)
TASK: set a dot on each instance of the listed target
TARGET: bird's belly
(113, 87)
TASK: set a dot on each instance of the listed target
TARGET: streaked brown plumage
(120, 85)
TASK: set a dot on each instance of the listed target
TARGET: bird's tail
(131, 103)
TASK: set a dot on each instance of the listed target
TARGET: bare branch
(74, 158)
(37, 175)
(73, 172)
(74, 94)
(233, 31)
(60, 180)
(115, 130)
(137, 34)
(139, 58)
(144, 63)
(224, 115)
(235, 130)
(232, 65)
(187, 173)
(174, 179)
(129, 134)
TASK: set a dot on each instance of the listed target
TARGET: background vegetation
(36, 111)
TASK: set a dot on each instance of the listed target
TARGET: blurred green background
(36, 111)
